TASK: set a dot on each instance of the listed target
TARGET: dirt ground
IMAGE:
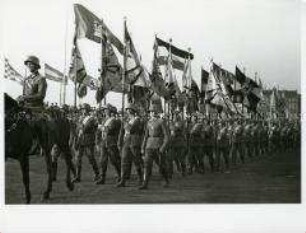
(269, 179)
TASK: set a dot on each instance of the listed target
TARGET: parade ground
(270, 179)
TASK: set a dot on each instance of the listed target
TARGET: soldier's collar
(33, 75)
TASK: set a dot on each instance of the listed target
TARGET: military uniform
(131, 136)
(195, 155)
(256, 139)
(178, 146)
(34, 91)
(86, 144)
(109, 131)
(237, 143)
(223, 145)
(154, 145)
(208, 144)
(34, 87)
(247, 135)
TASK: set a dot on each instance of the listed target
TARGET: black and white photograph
(124, 104)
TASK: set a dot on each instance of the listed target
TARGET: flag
(11, 74)
(112, 72)
(140, 96)
(225, 80)
(176, 62)
(91, 82)
(82, 90)
(90, 26)
(185, 82)
(225, 77)
(204, 82)
(169, 77)
(53, 74)
(174, 50)
(77, 72)
(250, 90)
(135, 72)
(211, 88)
(191, 89)
(241, 78)
(158, 83)
(111, 78)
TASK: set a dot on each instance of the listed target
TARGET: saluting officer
(130, 141)
(110, 129)
(155, 143)
(86, 142)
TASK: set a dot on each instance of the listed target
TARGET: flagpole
(60, 94)
(103, 65)
(124, 68)
(75, 83)
(65, 82)
(167, 107)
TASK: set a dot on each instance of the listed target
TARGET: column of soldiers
(186, 145)
(166, 140)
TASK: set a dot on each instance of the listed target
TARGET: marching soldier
(130, 142)
(208, 142)
(195, 155)
(178, 144)
(154, 145)
(223, 144)
(247, 135)
(108, 146)
(86, 142)
(237, 142)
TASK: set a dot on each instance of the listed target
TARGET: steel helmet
(32, 59)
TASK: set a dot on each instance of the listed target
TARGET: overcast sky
(259, 35)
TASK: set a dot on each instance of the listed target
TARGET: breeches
(195, 156)
(112, 153)
(152, 155)
(89, 152)
(130, 154)
(178, 155)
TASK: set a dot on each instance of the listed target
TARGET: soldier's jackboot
(146, 178)
(54, 168)
(125, 171)
(140, 175)
(145, 182)
(183, 169)
(96, 172)
(211, 163)
(178, 165)
(164, 174)
(166, 182)
(234, 158)
(121, 183)
(101, 179)
(77, 178)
